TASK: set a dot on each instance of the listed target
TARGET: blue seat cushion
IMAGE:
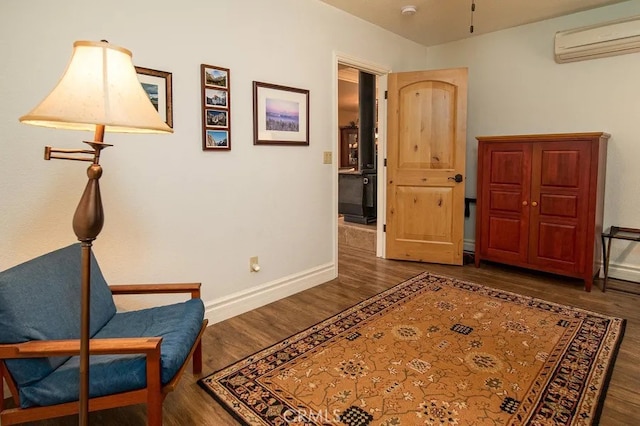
(40, 300)
(177, 324)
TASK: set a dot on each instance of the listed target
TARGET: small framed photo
(216, 107)
(158, 86)
(217, 118)
(215, 98)
(216, 77)
(217, 139)
(280, 115)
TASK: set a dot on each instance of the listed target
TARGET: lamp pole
(87, 224)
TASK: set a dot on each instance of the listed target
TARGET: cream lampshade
(99, 86)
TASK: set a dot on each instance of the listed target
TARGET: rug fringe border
(220, 402)
(609, 373)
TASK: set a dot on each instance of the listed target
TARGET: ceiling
(441, 21)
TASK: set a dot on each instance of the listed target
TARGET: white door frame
(381, 71)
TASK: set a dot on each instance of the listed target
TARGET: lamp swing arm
(97, 145)
(59, 154)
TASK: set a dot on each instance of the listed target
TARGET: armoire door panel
(504, 234)
(561, 168)
(507, 167)
(559, 205)
(556, 243)
(506, 201)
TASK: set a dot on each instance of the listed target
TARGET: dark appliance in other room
(357, 196)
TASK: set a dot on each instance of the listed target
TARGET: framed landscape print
(217, 118)
(216, 107)
(215, 98)
(158, 86)
(280, 115)
(217, 139)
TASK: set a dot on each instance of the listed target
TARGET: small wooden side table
(615, 233)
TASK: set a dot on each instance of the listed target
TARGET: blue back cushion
(40, 300)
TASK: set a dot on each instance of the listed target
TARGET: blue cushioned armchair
(136, 356)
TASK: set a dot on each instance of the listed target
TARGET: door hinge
(385, 162)
(386, 94)
(384, 228)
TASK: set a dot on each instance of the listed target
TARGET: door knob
(524, 203)
(534, 203)
(457, 178)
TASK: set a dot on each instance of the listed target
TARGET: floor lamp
(100, 92)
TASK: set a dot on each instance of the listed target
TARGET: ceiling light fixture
(409, 10)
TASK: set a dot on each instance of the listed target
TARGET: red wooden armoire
(540, 202)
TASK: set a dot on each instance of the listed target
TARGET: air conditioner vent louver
(597, 41)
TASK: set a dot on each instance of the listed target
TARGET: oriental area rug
(432, 350)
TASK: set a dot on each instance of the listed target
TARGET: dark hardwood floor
(363, 275)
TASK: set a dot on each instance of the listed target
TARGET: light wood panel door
(426, 139)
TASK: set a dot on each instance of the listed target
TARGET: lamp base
(89, 216)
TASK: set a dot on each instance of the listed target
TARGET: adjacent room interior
(357, 158)
(340, 212)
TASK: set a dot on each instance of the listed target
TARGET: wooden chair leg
(1, 386)
(154, 390)
(197, 358)
(154, 414)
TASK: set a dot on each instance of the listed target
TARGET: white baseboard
(469, 246)
(623, 271)
(243, 301)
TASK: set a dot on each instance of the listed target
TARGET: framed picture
(217, 118)
(217, 139)
(215, 98)
(216, 107)
(158, 85)
(216, 77)
(280, 115)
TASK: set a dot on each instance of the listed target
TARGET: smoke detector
(408, 10)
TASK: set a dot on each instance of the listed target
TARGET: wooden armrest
(193, 288)
(47, 348)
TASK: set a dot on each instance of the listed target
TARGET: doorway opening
(357, 158)
(380, 72)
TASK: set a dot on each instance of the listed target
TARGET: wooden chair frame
(153, 394)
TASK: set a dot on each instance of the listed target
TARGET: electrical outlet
(328, 157)
(254, 266)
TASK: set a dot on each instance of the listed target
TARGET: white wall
(174, 212)
(515, 87)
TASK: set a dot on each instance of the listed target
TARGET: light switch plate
(328, 157)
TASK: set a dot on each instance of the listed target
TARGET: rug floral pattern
(434, 351)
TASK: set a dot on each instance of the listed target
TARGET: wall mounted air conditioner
(597, 41)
